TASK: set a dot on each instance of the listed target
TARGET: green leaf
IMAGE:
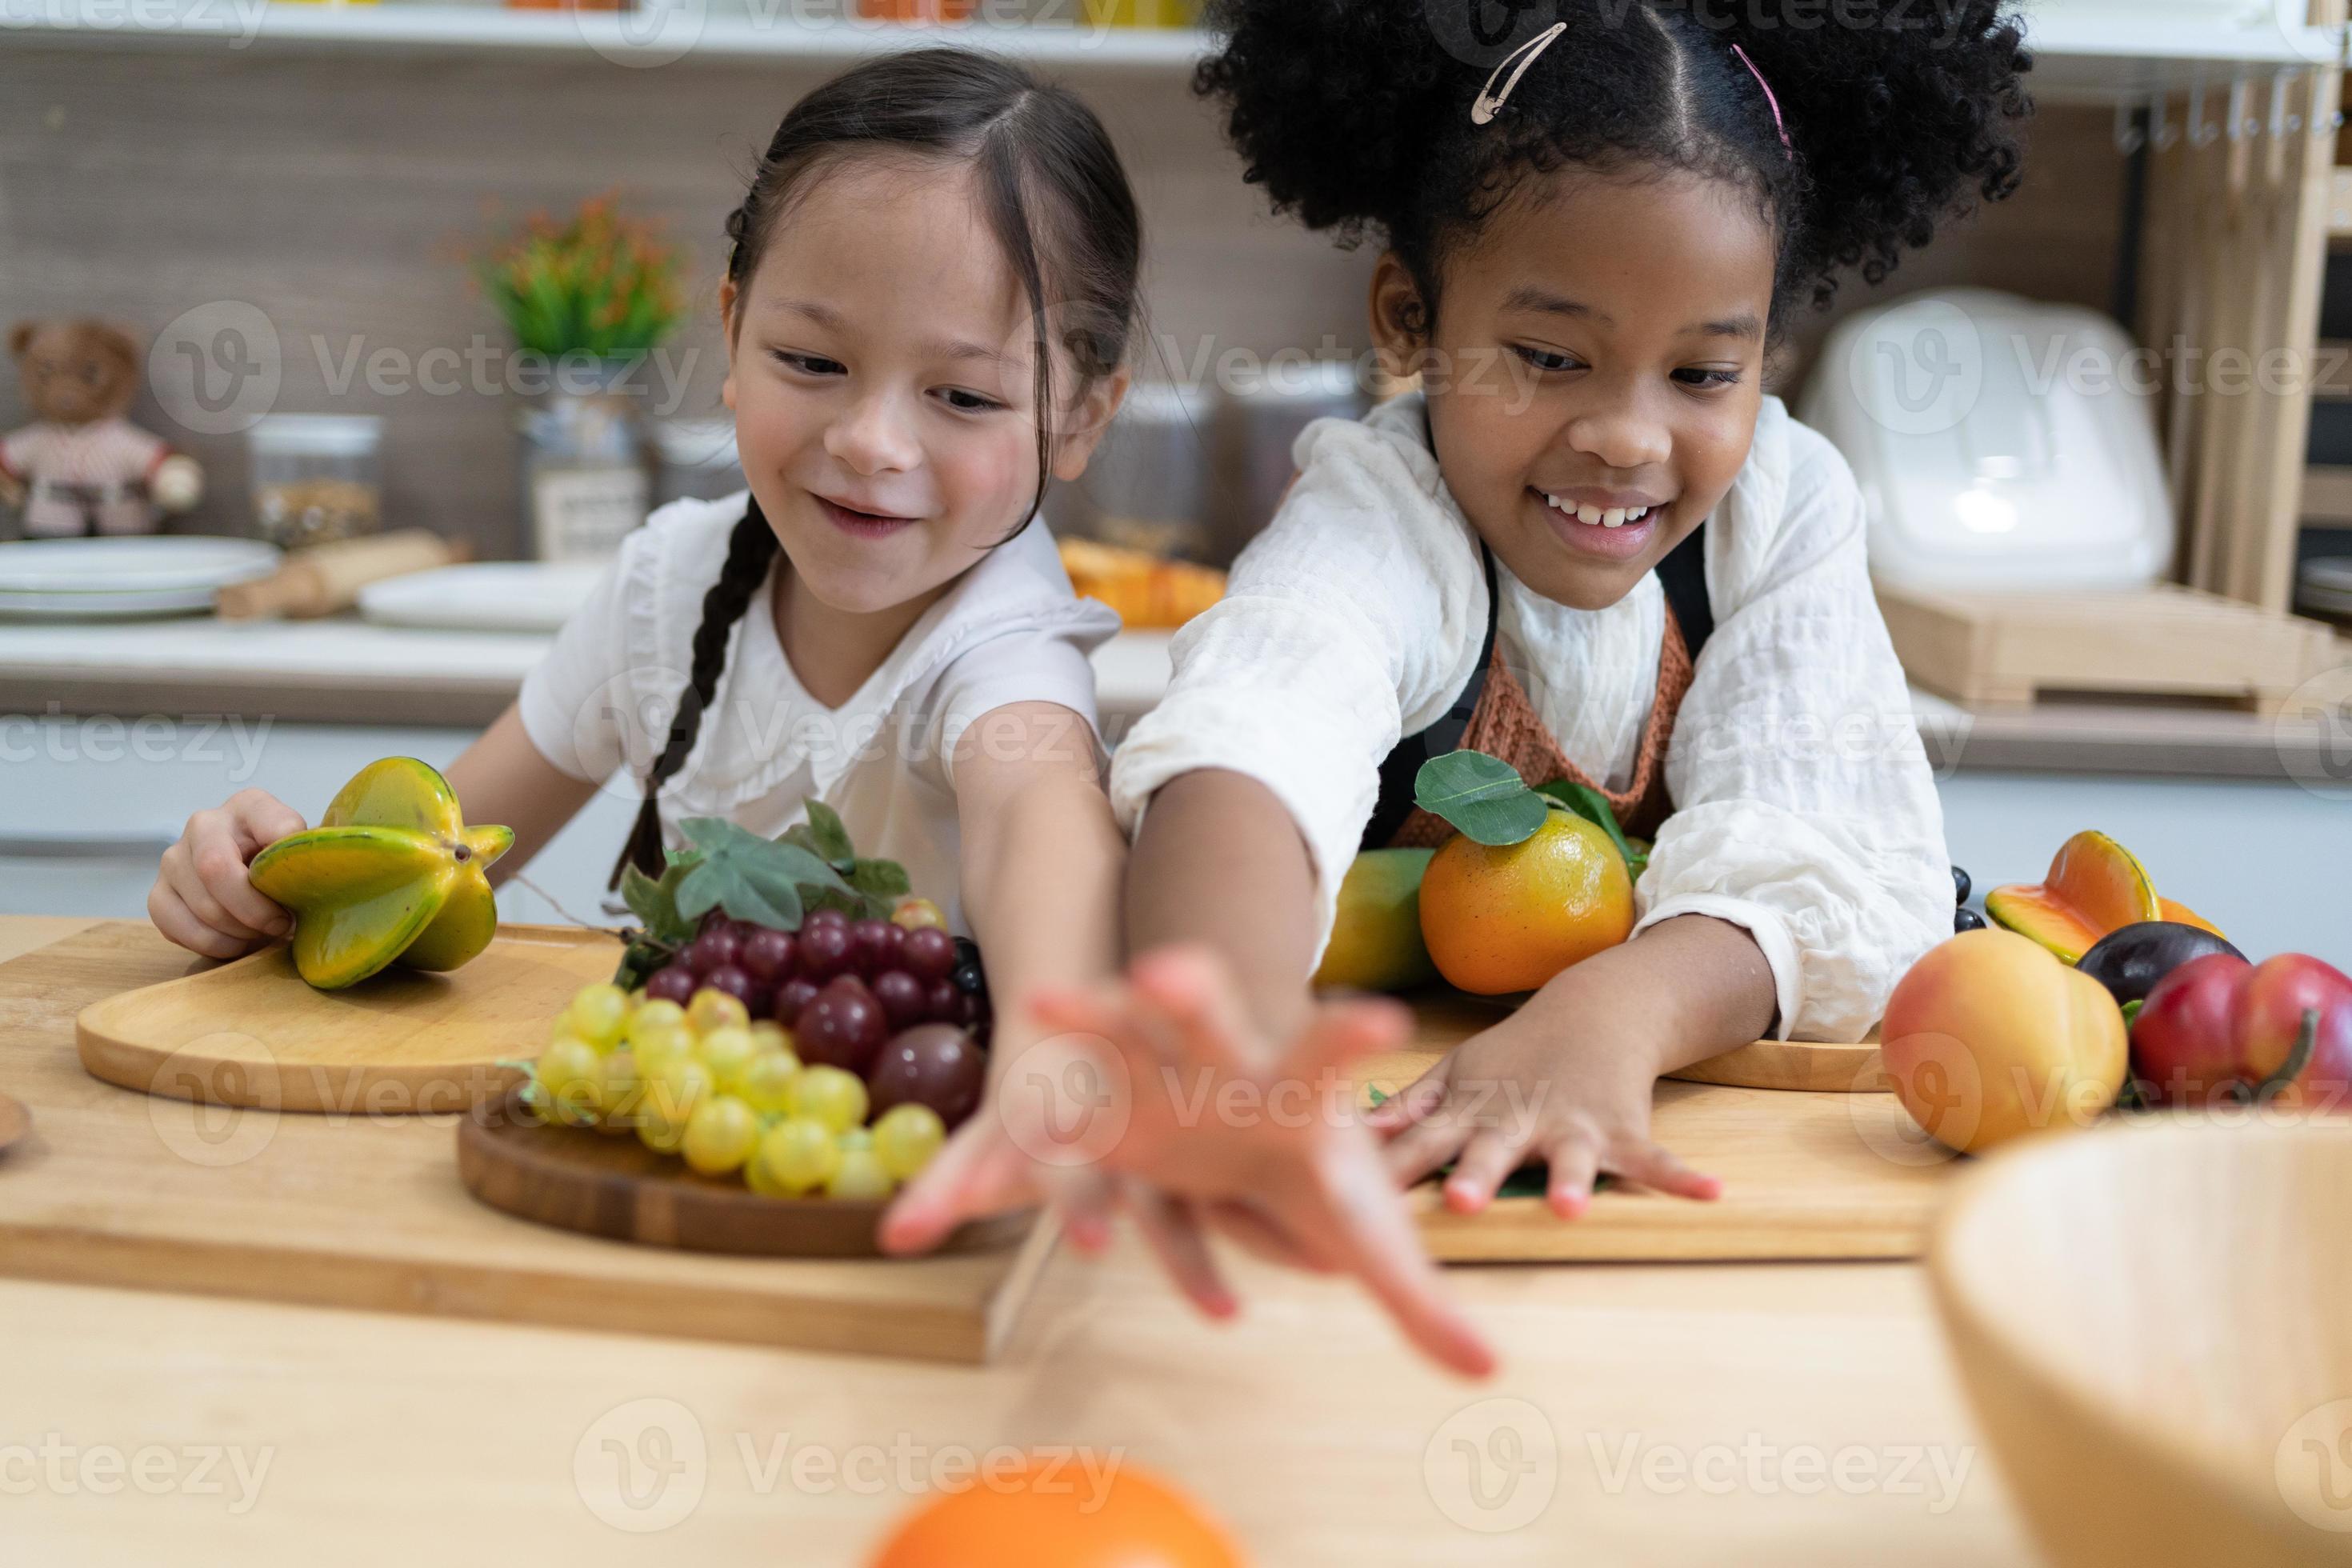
(770, 881)
(1594, 806)
(655, 902)
(831, 838)
(1481, 795)
(883, 880)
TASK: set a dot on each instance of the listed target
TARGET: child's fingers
(262, 819)
(977, 1174)
(1085, 1203)
(179, 924)
(1189, 988)
(1659, 1170)
(1176, 1239)
(1492, 1154)
(1423, 1147)
(180, 872)
(1414, 1103)
(216, 853)
(1385, 1252)
(1575, 1164)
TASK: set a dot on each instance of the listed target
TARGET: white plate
(105, 607)
(482, 596)
(110, 568)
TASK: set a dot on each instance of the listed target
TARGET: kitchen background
(338, 171)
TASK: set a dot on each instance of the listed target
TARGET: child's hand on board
(202, 897)
(1159, 1096)
(1566, 1080)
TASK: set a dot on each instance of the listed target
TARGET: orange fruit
(1058, 1512)
(1506, 918)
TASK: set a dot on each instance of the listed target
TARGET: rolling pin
(326, 578)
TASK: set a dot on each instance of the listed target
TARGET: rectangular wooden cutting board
(116, 1187)
(1806, 1176)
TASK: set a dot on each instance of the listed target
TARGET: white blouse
(599, 707)
(1805, 809)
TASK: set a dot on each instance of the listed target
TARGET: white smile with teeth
(1614, 517)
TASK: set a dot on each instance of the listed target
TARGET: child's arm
(204, 898)
(1042, 862)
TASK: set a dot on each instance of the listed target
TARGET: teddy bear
(83, 468)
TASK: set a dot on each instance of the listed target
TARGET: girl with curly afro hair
(1587, 542)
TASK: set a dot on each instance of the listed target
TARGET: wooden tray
(2007, 649)
(1445, 1018)
(252, 1033)
(140, 1192)
(1806, 1174)
(616, 1187)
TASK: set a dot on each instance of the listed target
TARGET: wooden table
(1751, 1414)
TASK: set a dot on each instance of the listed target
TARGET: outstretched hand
(1157, 1096)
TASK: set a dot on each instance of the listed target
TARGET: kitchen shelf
(2076, 56)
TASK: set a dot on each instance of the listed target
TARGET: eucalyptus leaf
(1481, 795)
(1594, 806)
(832, 840)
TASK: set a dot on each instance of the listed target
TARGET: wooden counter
(1754, 1413)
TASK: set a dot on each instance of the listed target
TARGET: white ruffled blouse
(1806, 811)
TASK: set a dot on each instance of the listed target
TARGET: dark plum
(1961, 886)
(968, 979)
(1967, 920)
(2130, 960)
(842, 1026)
(936, 1065)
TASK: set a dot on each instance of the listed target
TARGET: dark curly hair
(1058, 202)
(1355, 114)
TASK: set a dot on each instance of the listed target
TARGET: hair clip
(1489, 101)
(1769, 97)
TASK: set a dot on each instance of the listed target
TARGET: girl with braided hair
(928, 305)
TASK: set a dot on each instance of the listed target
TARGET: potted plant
(588, 300)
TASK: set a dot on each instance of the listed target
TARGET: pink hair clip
(1769, 97)
(1489, 101)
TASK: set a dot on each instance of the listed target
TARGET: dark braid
(750, 552)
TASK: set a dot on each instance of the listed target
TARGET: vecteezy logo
(2312, 1467)
(2313, 734)
(651, 32)
(1918, 369)
(1493, 1466)
(215, 369)
(1070, 1101)
(215, 1102)
(641, 1467)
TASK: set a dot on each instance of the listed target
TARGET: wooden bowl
(2154, 1324)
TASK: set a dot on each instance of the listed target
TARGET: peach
(1990, 1037)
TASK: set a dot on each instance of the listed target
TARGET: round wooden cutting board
(253, 1033)
(611, 1185)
